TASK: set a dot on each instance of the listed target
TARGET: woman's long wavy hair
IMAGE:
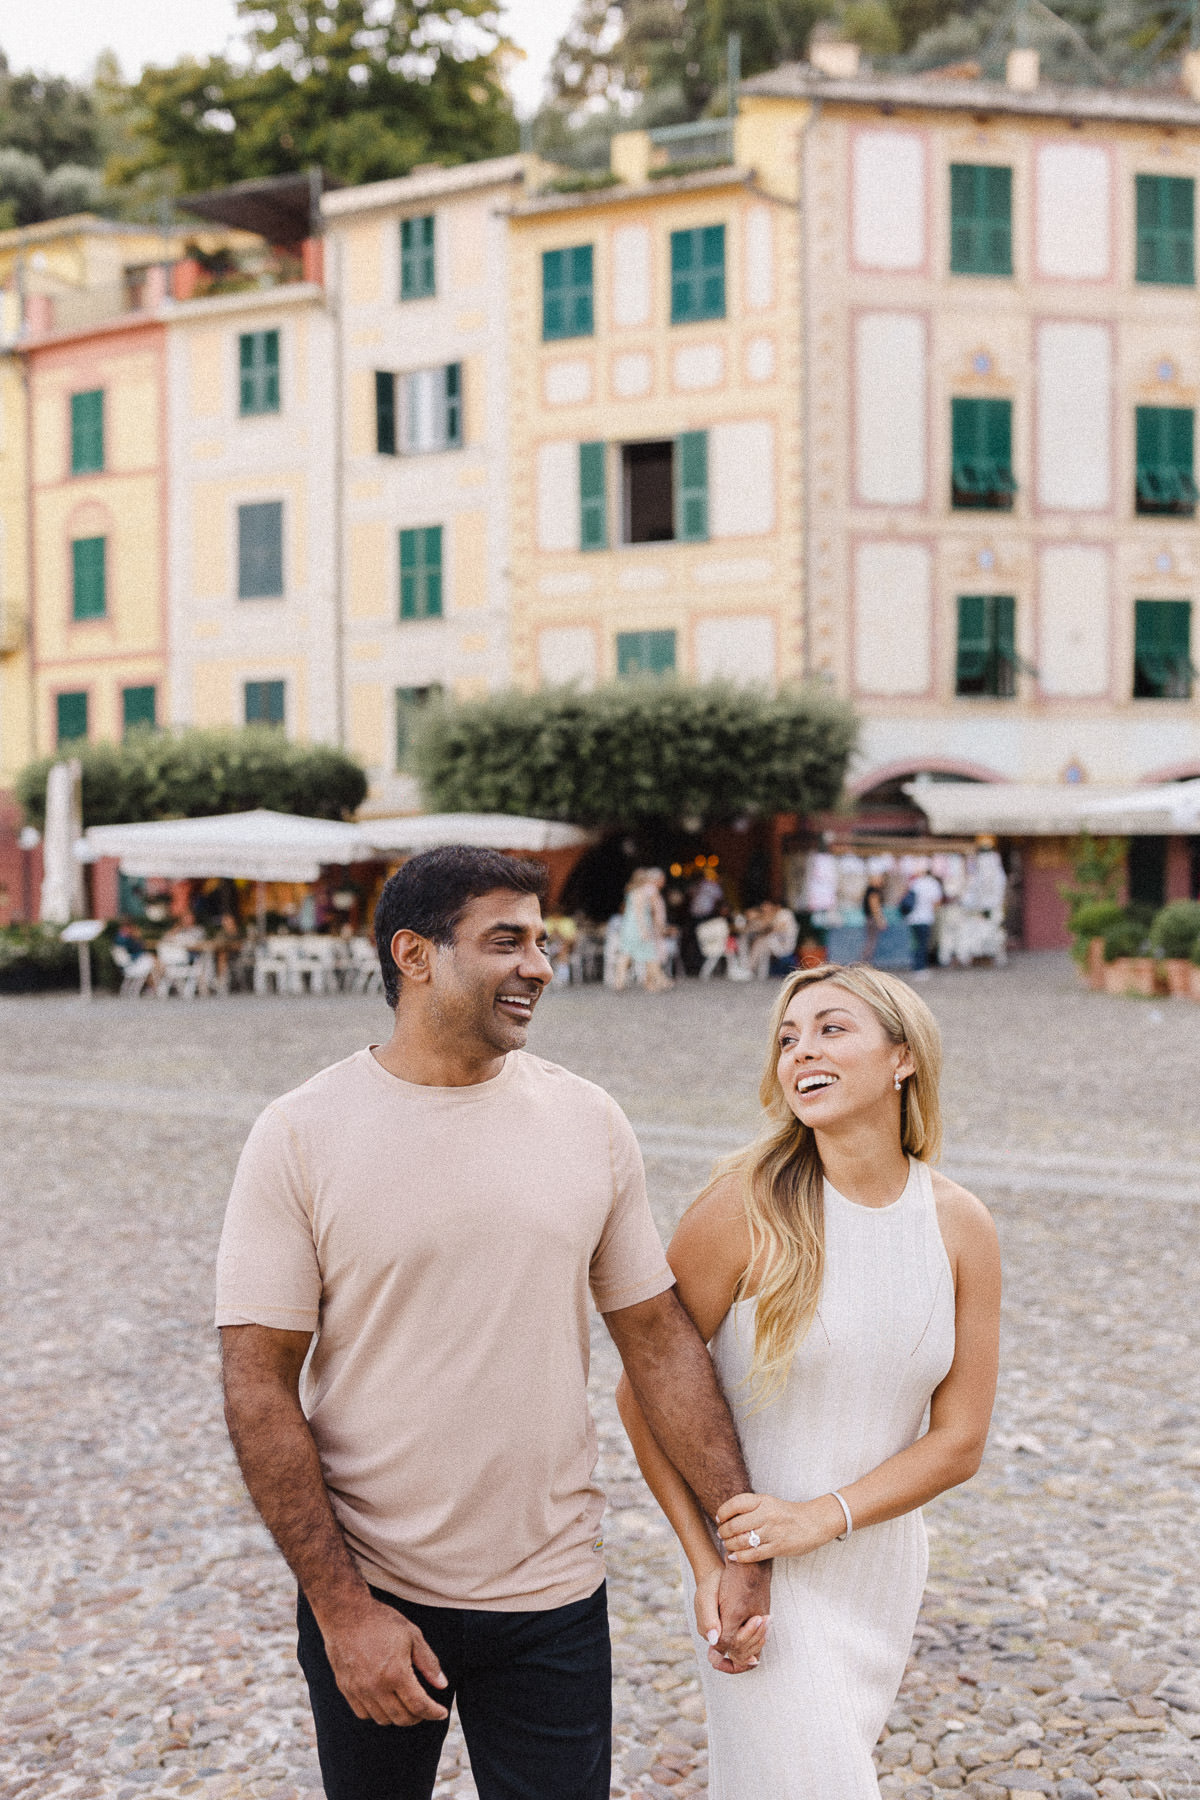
(783, 1181)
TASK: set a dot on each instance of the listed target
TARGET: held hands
(731, 1613)
(780, 1527)
(376, 1657)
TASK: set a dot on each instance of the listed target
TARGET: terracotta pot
(1194, 978)
(1130, 975)
(1093, 968)
(1178, 971)
(1116, 976)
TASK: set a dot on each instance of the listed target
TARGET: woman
(640, 925)
(875, 916)
(851, 1295)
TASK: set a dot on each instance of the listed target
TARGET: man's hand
(376, 1656)
(744, 1607)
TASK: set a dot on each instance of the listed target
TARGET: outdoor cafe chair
(363, 975)
(135, 970)
(178, 972)
(272, 964)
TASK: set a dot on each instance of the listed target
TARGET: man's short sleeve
(267, 1268)
(628, 1264)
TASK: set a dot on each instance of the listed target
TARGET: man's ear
(413, 956)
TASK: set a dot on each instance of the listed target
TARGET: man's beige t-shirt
(441, 1243)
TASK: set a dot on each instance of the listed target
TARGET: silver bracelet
(842, 1535)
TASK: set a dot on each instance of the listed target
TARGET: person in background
(876, 918)
(773, 947)
(927, 896)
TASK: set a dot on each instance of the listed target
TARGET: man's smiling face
(488, 980)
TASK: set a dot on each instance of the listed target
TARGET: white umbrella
(62, 877)
(490, 831)
(250, 846)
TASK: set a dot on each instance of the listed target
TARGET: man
(923, 898)
(773, 949)
(427, 1217)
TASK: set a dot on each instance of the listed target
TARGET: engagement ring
(754, 1540)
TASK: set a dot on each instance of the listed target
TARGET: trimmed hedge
(1176, 929)
(636, 752)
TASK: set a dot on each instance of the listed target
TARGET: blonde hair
(781, 1174)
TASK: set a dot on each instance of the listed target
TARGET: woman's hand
(779, 1527)
(747, 1646)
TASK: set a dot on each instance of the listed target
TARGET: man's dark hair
(431, 892)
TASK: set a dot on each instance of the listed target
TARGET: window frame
(418, 262)
(981, 472)
(1145, 684)
(593, 495)
(690, 304)
(262, 507)
(82, 429)
(260, 390)
(408, 703)
(974, 247)
(449, 408)
(425, 596)
(1157, 243)
(1164, 461)
(68, 694)
(146, 724)
(574, 293)
(269, 688)
(995, 646)
(657, 634)
(83, 612)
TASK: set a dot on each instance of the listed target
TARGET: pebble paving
(146, 1642)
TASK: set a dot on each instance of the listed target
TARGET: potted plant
(1195, 972)
(1128, 970)
(1174, 935)
(1088, 924)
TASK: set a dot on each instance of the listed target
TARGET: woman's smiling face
(836, 1061)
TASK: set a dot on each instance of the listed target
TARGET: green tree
(49, 117)
(192, 774)
(365, 88)
(637, 752)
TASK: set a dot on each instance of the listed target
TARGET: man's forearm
(282, 1470)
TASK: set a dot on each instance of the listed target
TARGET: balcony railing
(705, 143)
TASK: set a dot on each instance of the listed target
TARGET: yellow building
(656, 374)
(16, 713)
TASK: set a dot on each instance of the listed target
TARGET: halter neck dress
(803, 1724)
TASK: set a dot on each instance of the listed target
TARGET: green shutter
(645, 652)
(1165, 451)
(1166, 229)
(260, 550)
(1162, 650)
(593, 498)
(418, 264)
(698, 274)
(981, 453)
(691, 487)
(987, 648)
(421, 573)
(264, 702)
(454, 406)
(385, 413)
(568, 308)
(139, 708)
(87, 432)
(71, 717)
(980, 219)
(89, 595)
(258, 372)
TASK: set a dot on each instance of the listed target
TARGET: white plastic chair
(177, 972)
(712, 935)
(271, 965)
(135, 970)
(364, 975)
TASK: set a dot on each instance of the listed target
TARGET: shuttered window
(1162, 650)
(385, 412)
(645, 652)
(980, 219)
(1165, 447)
(258, 372)
(139, 709)
(418, 265)
(87, 432)
(691, 486)
(593, 498)
(420, 412)
(410, 703)
(70, 717)
(981, 454)
(987, 659)
(421, 573)
(567, 303)
(698, 274)
(264, 702)
(260, 550)
(1166, 229)
(89, 587)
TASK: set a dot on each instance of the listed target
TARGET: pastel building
(419, 271)
(16, 710)
(1000, 324)
(656, 450)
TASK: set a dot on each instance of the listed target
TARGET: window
(419, 412)
(645, 652)
(258, 371)
(87, 432)
(698, 274)
(410, 702)
(1162, 650)
(666, 490)
(987, 658)
(567, 293)
(418, 266)
(981, 454)
(593, 498)
(980, 219)
(260, 550)
(421, 573)
(139, 709)
(89, 589)
(1165, 442)
(264, 701)
(1166, 229)
(71, 717)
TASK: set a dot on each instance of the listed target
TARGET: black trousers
(534, 1696)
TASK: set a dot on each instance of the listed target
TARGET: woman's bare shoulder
(966, 1224)
(715, 1223)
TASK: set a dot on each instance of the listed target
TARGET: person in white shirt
(927, 896)
(777, 942)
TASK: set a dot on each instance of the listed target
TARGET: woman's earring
(899, 1083)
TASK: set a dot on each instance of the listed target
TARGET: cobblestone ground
(146, 1644)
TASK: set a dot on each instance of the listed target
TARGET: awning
(1016, 809)
(283, 209)
(490, 831)
(250, 846)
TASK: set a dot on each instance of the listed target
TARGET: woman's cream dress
(803, 1724)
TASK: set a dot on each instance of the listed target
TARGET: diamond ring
(754, 1540)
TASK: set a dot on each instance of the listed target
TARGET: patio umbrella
(62, 877)
(250, 846)
(490, 831)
